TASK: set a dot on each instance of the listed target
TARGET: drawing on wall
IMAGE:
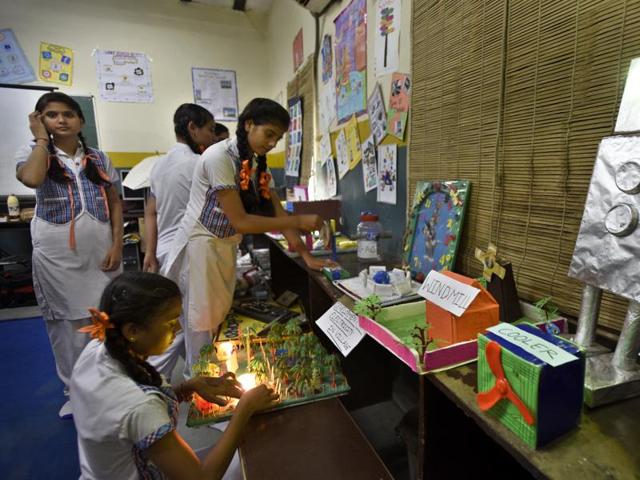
(353, 142)
(294, 145)
(55, 64)
(298, 51)
(217, 91)
(377, 115)
(387, 41)
(387, 173)
(369, 167)
(332, 181)
(398, 111)
(14, 66)
(327, 59)
(124, 76)
(325, 148)
(327, 107)
(342, 154)
(351, 60)
(435, 222)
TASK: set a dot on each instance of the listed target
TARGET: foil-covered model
(606, 257)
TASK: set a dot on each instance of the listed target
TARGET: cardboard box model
(531, 381)
(447, 328)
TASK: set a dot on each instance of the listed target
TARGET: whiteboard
(17, 103)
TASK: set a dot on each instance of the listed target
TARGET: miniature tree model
(422, 340)
(368, 307)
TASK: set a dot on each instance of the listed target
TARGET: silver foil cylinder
(628, 345)
(588, 319)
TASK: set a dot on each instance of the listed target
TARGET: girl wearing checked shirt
(231, 194)
(125, 413)
(77, 228)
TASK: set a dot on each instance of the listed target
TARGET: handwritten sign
(538, 347)
(341, 326)
(447, 293)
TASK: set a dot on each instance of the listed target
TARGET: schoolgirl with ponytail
(231, 194)
(170, 180)
(77, 228)
(125, 412)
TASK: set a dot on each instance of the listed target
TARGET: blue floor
(34, 442)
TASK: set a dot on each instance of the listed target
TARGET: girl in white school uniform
(231, 194)
(124, 411)
(170, 186)
(77, 228)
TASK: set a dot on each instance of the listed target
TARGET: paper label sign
(538, 347)
(447, 293)
(341, 326)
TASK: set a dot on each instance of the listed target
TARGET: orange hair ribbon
(100, 324)
(265, 179)
(245, 175)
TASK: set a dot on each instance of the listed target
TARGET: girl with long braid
(170, 180)
(232, 194)
(124, 411)
(77, 228)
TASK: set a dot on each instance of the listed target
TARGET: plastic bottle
(368, 232)
(13, 206)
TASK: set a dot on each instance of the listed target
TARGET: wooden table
(317, 441)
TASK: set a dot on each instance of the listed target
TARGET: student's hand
(309, 223)
(150, 263)
(258, 398)
(37, 126)
(112, 259)
(315, 263)
(213, 389)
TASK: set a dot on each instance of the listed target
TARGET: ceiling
(261, 6)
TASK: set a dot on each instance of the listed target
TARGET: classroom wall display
(55, 64)
(325, 148)
(294, 136)
(435, 222)
(216, 90)
(351, 60)
(353, 142)
(387, 173)
(629, 112)
(14, 66)
(387, 39)
(124, 76)
(398, 104)
(377, 115)
(331, 180)
(327, 107)
(342, 154)
(369, 167)
(327, 59)
(298, 51)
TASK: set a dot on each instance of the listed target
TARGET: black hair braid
(56, 171)
(249, 197)
(139, 370)
(90, 168)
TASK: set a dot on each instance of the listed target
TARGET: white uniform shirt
(113, 415)
(57, 269)
(170, 185)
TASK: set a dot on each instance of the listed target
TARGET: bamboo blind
(515, 97)
(303, 85)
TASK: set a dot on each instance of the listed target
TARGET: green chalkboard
(90, 130)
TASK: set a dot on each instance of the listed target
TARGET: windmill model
(606, 258)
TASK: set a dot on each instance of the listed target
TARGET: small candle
(247, 380)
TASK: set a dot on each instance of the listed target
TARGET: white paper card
(447, 293)
(530, 343)
(341, 326)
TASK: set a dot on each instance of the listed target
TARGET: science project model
(291, 362)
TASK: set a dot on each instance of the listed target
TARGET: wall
(176, 36)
